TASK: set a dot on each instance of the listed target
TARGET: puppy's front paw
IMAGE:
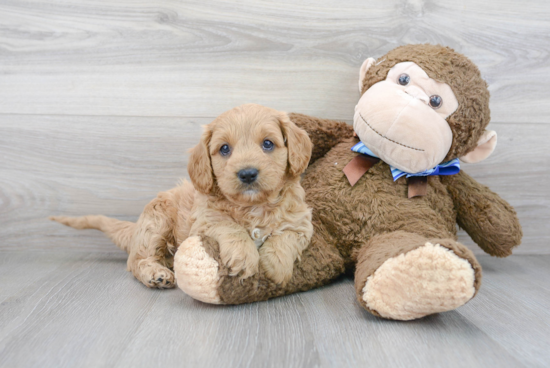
(154, 275)
(240, 256)
(277, 264)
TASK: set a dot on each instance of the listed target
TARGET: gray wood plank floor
(82, 309)
(100, 101)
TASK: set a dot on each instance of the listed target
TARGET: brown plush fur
(326, 134)
(222, 207)
(489, 220)
(360, 227)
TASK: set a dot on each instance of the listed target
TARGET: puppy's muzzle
(248, 176)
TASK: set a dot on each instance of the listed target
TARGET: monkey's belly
(374, 205)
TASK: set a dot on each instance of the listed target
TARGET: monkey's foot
(426, 280)
(197, 272)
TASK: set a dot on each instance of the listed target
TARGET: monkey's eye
(404, 79)
(225, 150)
(436, 101)
(267, 145)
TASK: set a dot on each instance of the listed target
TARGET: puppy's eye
(404, 79)
(267, 145)
(225, 150)
(436, 101)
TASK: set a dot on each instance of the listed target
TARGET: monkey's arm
(489, 220)
(324, 133)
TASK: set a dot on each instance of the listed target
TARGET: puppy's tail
(120, 232)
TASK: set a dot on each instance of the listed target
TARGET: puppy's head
(248, 153)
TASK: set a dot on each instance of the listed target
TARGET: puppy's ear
(298, 143)
(199, 166)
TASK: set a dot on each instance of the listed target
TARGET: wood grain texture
(515, 290)
(199, 58)
(78, 165)
(83, 309)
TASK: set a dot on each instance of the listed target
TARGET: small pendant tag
(256, 236)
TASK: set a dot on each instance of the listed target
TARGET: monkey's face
(402, 118)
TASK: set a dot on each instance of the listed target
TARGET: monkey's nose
(248, 176)
(417, 93)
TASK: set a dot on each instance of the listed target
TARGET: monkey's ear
(199, 166)
(298, 143)
(364, 68)
(485, 146)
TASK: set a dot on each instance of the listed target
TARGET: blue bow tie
(446, 168)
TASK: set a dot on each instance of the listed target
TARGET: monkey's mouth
(385, 137)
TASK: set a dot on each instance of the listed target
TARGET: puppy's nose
(248, 176)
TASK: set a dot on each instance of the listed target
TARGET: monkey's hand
(324, 133)
(489, 220)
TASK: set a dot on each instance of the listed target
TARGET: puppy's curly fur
(269, 212)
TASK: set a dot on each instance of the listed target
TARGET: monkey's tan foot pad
(427, 280)
(197, 272)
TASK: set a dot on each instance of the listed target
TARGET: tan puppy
(246, 194)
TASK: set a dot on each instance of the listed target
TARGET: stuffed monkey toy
(388, 194)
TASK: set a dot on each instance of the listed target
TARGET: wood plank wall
(101, 99)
